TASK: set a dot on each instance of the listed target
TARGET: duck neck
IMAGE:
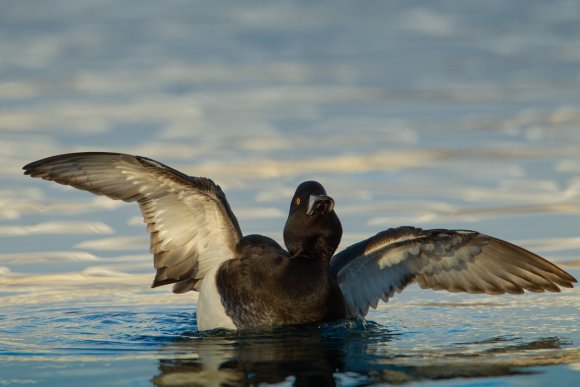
(315, 248)
(312, 246)
(315, 238)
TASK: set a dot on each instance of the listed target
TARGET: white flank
(210, 310)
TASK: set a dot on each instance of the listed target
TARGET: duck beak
(321, 204)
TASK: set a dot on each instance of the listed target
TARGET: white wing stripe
(457, 261)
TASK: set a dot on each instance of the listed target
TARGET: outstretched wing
(191, 224)
(453, 260)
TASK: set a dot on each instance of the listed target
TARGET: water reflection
(302, 355)
(253, 363)
(329, 355)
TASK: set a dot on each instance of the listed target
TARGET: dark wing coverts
(191, 224)
(457, 261)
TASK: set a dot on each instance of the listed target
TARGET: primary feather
(191, 224)
(453, 260)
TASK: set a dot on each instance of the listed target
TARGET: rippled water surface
(137, 338)
(446, 114)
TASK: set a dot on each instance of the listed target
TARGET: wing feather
(190, 221)
(452, 260)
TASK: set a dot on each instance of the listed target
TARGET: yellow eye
(297, 201)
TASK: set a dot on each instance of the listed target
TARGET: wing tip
(30, 169)
(157, 283)
(569, 280)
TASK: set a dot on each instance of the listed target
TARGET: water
(134, 339)
(444, 114)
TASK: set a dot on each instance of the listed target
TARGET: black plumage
(195, 237)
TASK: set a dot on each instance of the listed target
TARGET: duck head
(313, 228)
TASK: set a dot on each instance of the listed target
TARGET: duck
(252, 282)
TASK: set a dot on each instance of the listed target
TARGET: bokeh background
(435, 114)
(444, 114)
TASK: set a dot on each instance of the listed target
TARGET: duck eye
(297, 201)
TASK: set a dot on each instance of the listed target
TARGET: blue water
(434, 114)
(416, 339)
